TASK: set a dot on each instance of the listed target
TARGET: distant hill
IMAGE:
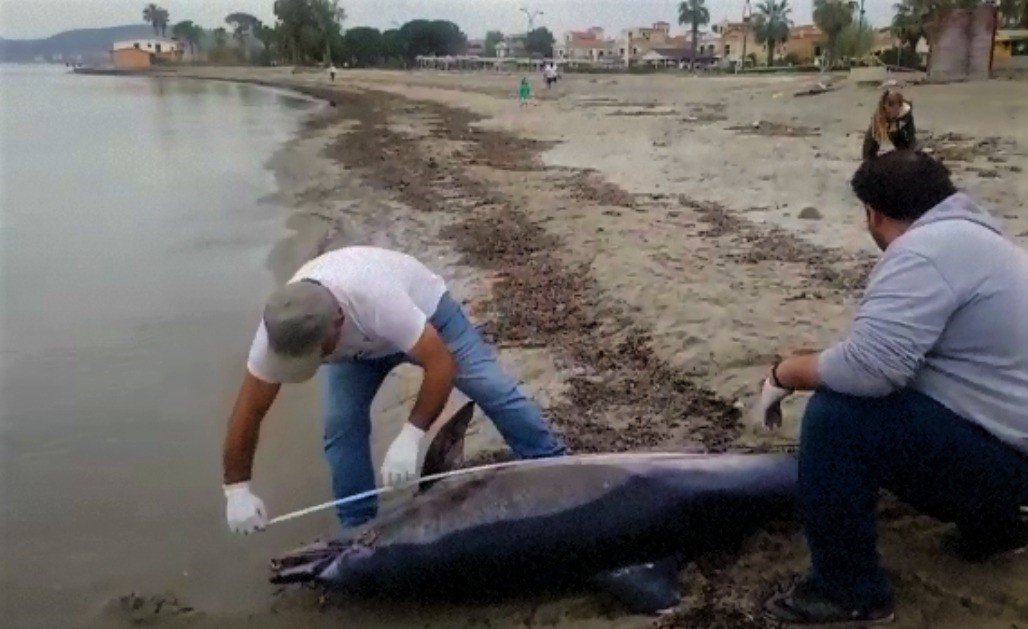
(89, 43)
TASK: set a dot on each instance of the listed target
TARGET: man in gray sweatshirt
(927, 397)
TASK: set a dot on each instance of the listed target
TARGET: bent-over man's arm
(440, 369)
(252, 404)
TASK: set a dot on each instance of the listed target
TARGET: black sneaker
(804, 605)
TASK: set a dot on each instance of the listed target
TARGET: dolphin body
(621, 522)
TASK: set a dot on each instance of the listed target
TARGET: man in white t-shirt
(357, 313)
(550, 74)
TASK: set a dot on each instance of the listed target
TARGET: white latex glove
(767, 413)
(244, 511)
(401, 460)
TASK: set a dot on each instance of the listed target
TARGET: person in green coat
(524, 92)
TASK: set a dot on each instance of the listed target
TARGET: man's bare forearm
(435, 390)
(799, 372)
(252, 404)
(440, 369)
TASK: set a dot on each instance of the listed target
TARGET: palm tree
(773, 25)
(695, 14)
(832, 16)
(157, 17)
(150, 17)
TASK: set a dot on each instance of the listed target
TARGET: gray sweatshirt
(945, 313)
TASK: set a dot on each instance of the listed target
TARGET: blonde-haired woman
(893, 121)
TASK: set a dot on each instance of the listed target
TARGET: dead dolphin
(617, 521)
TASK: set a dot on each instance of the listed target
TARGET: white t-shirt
(386, 297)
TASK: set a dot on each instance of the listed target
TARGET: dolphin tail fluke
(446, 452)
(646, 588)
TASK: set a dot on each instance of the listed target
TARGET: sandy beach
(641, 248)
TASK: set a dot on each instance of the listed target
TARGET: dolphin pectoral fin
(646, 588)
(305, 564)
(303, 573)
(446, 452)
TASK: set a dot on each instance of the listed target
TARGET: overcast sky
(39, 18)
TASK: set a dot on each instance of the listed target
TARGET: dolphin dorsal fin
(446, 452)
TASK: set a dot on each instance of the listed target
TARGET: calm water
(135, 231)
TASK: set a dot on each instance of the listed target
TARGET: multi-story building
(1010, 49)
(805, 44)
(736, 39)
(707, 44)
(588, 46)
(634, 43)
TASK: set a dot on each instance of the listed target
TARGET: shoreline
(637, 319)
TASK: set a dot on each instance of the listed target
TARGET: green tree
(157, 17)
(491, 39)
(437, 37)
(293, 17)
(308, 29)
(772, 25)
(363, 46)
(312, 44)
(328, 18)
(394, 45)
(693, 13)
(832, 16)
(855, 41)
(243, 26)
(220, 37)
(267, 36)
(188, 32)
(907, 24)
(539, 42)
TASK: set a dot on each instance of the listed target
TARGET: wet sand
(637, 247)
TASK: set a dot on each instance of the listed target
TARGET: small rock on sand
(138, 609)
(810, 213)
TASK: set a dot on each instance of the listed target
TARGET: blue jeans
(929, 457)
(351, 385)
